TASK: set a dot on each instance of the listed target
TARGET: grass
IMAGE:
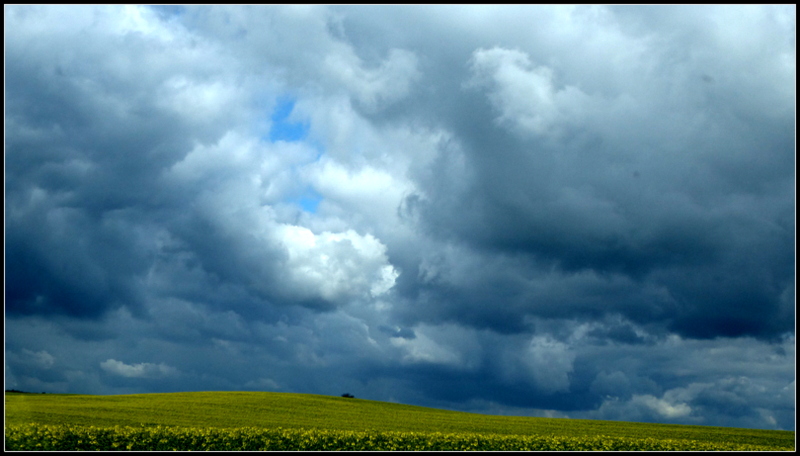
(264, 410)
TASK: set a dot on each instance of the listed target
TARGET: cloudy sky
(582, 212)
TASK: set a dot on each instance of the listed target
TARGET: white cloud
(233, 151)
(644, 408)
(141, 19)
(41, 359)
(336, 266)
(141, 370)
(318, 58)
(663, 407)
(434, 345)
(549, 363)
(371, 194)
(525, 94)
(194, 99)
(374, 88)
(423, 349)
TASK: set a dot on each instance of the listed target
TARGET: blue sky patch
(309, 201)
(282, 129)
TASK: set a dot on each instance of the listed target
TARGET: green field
(261, 420)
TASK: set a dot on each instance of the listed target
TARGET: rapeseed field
(282, 421)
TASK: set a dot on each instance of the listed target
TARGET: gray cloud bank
(585, 212)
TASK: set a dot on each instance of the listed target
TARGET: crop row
(71, 437)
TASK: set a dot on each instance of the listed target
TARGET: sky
(562, 211)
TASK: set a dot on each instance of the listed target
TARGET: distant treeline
(18, 391)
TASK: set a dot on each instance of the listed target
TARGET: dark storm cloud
(98, 198)
(450, 386)
(51, 272)
(676, 191)
(83, 153)
(556, 211)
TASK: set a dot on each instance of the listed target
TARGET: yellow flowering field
(288, 421)
(164, 438)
